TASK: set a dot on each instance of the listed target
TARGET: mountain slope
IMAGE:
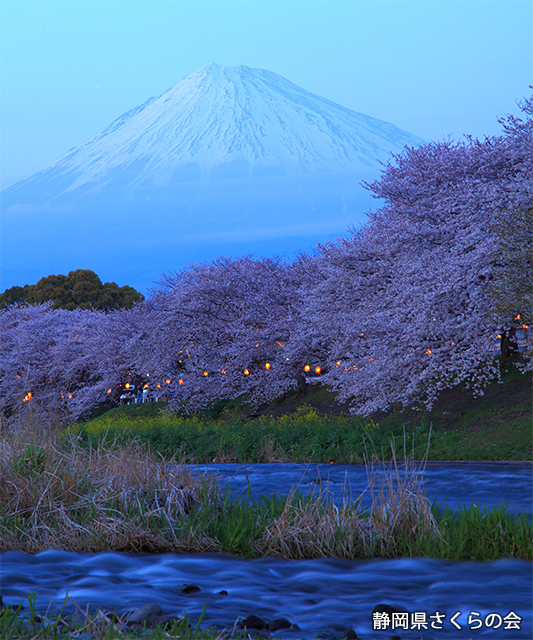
(229, 160)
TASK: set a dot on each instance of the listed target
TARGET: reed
(56, 492)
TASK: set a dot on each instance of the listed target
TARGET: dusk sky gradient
(433, 68)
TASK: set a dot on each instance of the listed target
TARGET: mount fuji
(230, 161)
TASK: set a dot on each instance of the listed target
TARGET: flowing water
(317, 595)
(455, 484)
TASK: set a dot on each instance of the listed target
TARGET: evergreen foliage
(81, 289)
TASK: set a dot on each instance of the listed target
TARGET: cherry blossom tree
(412, 303)
(42, 354)
(407, 301)
(220, 329)
(61, 358)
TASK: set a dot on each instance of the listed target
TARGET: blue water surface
(322, 595)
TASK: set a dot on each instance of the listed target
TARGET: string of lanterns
(267, 366)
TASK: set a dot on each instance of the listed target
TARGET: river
(321, 595)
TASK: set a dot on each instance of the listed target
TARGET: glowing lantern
(371, 359)
(167, 380)
(338, 362)
(223, 370)
(108, 391)
(355, 367)
(145, 386)
(27, 397)
(158, 385)
(127, 385)
(307, 368)
(499, 335)
(180, 381)
(267, 365)
(317, 370)
(428, 351)
(69, 396)
(206, 373)
(525, 326)
(246, 372)
(517, 317)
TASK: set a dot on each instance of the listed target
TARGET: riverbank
(56, 492)
(316, 428)
(97, 488)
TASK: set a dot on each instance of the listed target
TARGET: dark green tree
(81, 289)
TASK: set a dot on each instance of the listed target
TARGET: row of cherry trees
(407, 306)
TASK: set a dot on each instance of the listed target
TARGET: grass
(103, 625)
(301, 436)
(496, 426)
(58, 491)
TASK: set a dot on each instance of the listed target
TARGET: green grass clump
(56, 493)
(496, 426)
(302, 436)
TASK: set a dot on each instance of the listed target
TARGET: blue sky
(434, 68)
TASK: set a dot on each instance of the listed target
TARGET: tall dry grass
(54, 492)
(58, 492)
(399, 518)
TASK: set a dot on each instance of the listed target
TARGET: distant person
(139, 397)
(145, 394)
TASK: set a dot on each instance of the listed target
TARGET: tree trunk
(508, 344)
(302, 385)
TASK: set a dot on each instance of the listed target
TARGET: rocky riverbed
(324, 596)
(430, 598)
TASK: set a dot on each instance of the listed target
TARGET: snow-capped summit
(228, 122)
(229, 160)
